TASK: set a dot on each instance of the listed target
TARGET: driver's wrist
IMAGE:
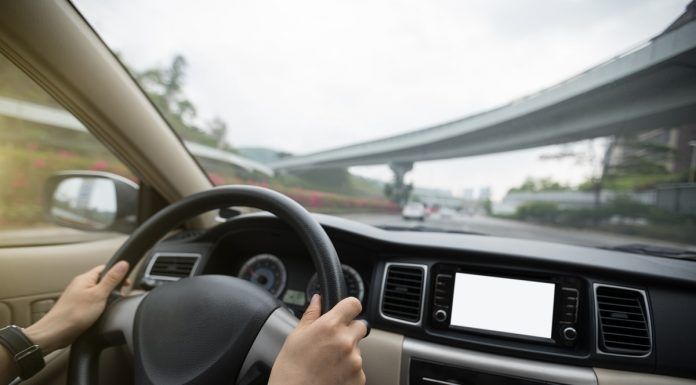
(45, 335)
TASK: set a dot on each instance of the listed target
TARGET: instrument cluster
(270, 272)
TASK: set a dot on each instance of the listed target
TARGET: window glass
(37, 139)
(492, 117)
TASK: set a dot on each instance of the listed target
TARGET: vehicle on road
(447, 213)
(414, 210)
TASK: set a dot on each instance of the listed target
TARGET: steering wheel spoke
(115, 327)
(116, 324)
(268, 342)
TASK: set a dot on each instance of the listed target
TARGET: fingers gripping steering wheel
(205, 329)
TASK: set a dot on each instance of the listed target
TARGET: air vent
(402, 295)
(624, 326)
(172, 267)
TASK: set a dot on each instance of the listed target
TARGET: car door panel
(30, 275)
(32, 278)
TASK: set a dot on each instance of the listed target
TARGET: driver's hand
(77, 309)
(323, 350)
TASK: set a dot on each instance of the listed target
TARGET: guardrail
(678, 198)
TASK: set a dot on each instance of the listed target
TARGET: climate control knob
(570, 334)
(440, 315)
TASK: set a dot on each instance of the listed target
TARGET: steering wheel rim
(85, 351)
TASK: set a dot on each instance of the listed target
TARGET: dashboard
(551, 303)
(276, 260)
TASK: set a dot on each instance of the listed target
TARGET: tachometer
(354, 284)
(267, 271)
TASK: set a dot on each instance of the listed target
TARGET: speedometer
(354, 284)
(267, 271)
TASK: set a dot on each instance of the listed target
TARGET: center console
(485, 314)
(525, 307)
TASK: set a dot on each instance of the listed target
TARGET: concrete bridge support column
(398, 191)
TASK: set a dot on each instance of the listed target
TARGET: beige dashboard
(386, 355)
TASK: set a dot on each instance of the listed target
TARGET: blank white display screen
(503, 305)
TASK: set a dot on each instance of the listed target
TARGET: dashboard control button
(440, 315)
(570, 334)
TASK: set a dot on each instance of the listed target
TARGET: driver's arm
(77, 309)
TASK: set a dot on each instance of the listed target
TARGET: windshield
(553, 121)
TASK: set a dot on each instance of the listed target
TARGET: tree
(598, 165)
(541, 184)
(640, 164)
(642, 157)
(218, 130)
(164, 87)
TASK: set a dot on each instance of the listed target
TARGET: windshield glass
(557, 121)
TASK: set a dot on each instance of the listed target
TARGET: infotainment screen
(503, 305)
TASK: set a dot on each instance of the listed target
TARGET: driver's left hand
(80, 305)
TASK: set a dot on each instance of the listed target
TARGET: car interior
(443, 307)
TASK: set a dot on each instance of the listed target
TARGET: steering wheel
(205, 329)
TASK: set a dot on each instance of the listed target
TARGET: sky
(307, 75)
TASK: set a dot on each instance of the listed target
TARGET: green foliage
(218, 132)
(540, 184)
(24, 169)
(164, 87)
(31, 152)
(538, 211)
(639, 168)
(640, 159)
(639, 181)
(615, 216)
(335, 180)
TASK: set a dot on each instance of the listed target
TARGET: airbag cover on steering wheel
(199, 330)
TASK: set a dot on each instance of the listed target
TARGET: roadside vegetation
(630, 166)
(30, 152)
(331, 190)
(622, 215)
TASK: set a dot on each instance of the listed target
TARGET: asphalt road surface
(514, 229)
(476, 223)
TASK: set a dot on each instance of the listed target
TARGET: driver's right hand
(323, 349)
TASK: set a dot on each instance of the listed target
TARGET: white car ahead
(414, 210)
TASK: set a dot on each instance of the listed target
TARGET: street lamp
(692, 166)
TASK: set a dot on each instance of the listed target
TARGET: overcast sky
(302, 76)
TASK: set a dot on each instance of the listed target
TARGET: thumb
(313, 311)
(113, 277)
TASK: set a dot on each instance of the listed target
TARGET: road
(477, 223)
(514, 229)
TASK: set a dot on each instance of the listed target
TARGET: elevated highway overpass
(652, 86)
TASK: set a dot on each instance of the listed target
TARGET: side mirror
(91, 201)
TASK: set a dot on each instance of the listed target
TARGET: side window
(39, 138)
